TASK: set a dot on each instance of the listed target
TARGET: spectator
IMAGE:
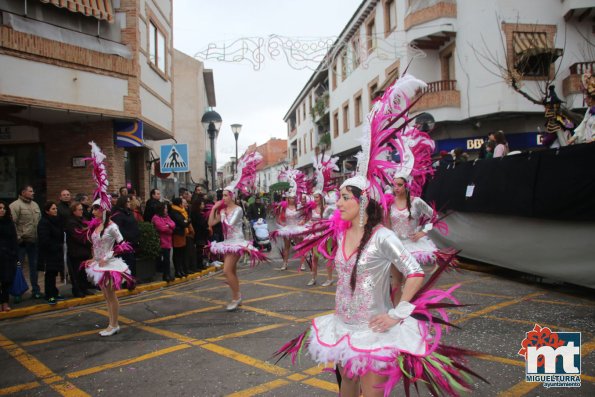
(256, 210)
(78, 248)
(165, 227)
(151, 205)
(51, 253)
(201, 230)
(123, 191)
(64, 206)
(198, 192)
(8, 254)
(84, 200)
(135, 206)
(186, 195)
(114, 198)
(483, 150)
(190, 264)
(180, 217)
(501, 149)
(122, 216)
(490, 146)
(26, 214)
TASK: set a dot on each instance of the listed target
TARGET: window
(157, 47)
(334, 76)
(304, 110)
(335, 123)
(530, 50)
(299, 145)
(311, 139)
(371, 35)
(345, 64)
(390, 16)
(372, 88)
(346, 116)
(447, 63)
(355, 51)
(357, 108)
(298, 116)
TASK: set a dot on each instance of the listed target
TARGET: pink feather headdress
(100, 195)
(298, 185)
(246, 173)
(324, 165)
(387, 120)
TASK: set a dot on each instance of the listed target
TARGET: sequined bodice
(316, 215)
(401, 224)
(292, 217)
(232, 224)
(103, 245)
(372, 290)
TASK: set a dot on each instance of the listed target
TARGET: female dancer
(291, 224)
(231, 216)
(105, 269)
(372, 343)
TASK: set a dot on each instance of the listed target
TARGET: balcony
(292, 133)
(422, 11)
(572, 84)
(577, 9)
(439, 94)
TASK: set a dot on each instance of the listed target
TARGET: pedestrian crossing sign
(174, 158)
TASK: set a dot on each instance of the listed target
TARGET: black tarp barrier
(549, 184)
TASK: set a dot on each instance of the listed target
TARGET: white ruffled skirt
(357, 348)
(290, 231)
(423, 250)
(112, 274)
(237, 247)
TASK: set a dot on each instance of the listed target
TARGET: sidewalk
(29, 306)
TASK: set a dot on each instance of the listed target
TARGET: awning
(533, 44)
(100, 9)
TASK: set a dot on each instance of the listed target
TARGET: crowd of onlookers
(49, 239)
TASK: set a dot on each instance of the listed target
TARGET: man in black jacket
(64, 206)
(123, 217)
(256, 210)
(151, 205)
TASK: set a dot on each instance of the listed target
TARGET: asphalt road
(179, 340)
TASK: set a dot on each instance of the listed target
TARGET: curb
(75, 302)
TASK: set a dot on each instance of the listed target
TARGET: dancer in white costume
(231, 217)
(374, 344)
(105, 269)
(289, 217)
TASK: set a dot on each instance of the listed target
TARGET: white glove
(402, 311)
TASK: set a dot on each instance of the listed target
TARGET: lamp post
(211, 121)
(236, 128)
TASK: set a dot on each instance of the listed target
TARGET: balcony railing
(439, 94)
(582, 67)
(572, 83)
(292, 133)
(442, 85)
(422, 11)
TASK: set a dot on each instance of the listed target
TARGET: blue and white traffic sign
(174, 158)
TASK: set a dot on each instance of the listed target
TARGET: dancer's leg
(230, 271)
(349, 386)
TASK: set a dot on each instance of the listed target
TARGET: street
(179, 340)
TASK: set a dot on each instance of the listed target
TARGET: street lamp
(236, 128)
(211, 121)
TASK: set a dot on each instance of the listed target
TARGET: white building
(446, 43)
(269, 175)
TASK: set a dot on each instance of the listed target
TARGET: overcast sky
(256, 99)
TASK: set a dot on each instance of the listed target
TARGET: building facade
(72, 73)
(460, 48)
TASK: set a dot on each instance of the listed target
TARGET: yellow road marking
(18, 388)
(245, 359)
(121, 363)
(183, 314)
(263, 388)
(59, 338)
(484, 294)
(322, 384)
(495, 307)
(297, 377)
(304, 290)
(40, 370)
(246, 332)
(564, 303)
(532, 323)
(270, 313)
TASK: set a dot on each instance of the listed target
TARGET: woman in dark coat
(78, 248)
(8, 254)
(50, 237)
(123, 216)
(201, 229)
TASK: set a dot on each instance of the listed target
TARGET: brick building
(75, 71)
